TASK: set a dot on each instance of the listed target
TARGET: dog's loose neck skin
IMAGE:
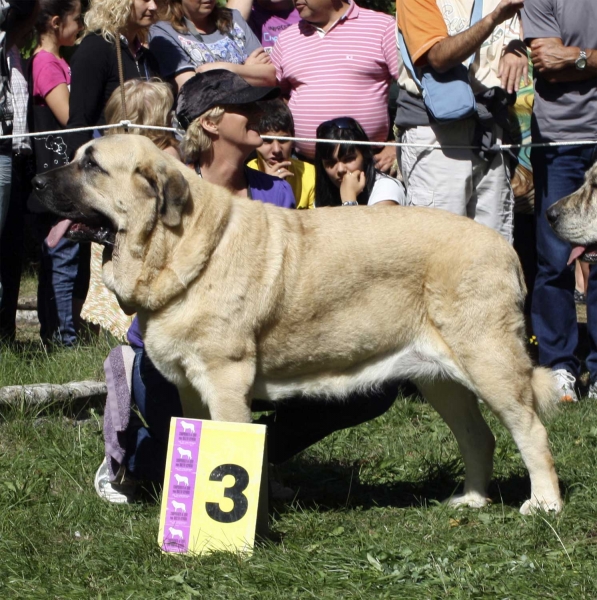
(163, 261)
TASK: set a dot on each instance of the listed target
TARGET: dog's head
(574, 219)
(124, 192)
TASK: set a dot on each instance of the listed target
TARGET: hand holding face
(281, 169)
(353, 183)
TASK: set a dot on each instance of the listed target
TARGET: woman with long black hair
(345, 173)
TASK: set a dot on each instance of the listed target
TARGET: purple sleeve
(267, 188)
(287, 199)
(133, 335)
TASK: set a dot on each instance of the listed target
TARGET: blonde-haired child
(147, 103)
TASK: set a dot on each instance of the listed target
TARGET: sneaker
(592, 391)
(566, 383)
(117, 493)
(579, 297)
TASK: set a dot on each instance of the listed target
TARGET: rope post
(121, 79)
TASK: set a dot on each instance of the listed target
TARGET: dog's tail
(545, 392)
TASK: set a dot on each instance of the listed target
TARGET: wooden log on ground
(27, 304)
(48, 393)
(27, 316)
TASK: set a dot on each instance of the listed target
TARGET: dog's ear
(171, 190)
(175, 193)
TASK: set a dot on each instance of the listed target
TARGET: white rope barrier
(128, 124)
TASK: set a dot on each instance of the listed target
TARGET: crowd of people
(320, 71)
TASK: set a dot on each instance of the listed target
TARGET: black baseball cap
(215, 88)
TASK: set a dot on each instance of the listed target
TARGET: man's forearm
(560, 65)
(455, 49)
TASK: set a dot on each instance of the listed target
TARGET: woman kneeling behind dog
(220, 115)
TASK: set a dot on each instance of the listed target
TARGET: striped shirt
(344, 72)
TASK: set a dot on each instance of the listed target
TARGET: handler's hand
(385, 161)
(550, 54)
(353, 183)
(514, 66)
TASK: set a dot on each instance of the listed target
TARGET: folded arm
(258, 69)
(556, 63)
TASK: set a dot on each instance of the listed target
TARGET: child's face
(70, 26)
(337, 168)
(273, 152)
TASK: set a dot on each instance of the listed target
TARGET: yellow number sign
(212, 486)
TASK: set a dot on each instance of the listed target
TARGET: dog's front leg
(225, 387)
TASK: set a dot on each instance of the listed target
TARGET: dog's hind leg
(514, 392)
(459, 408)
(515, 409)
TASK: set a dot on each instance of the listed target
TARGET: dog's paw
(470, 499)
(535, 505)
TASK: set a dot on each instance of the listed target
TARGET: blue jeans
(157, 400)
(63, 275)
(5, 183)
(558, 172)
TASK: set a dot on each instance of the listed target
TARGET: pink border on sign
(181, 485)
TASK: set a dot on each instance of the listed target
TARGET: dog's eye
(88, 163)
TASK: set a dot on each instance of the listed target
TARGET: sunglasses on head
(342, 123)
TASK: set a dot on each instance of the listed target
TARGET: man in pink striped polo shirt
(339, 60)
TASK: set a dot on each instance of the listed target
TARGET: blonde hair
(112, 16)
(147, 103)
(196, 140)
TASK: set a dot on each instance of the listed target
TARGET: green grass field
(367, 521)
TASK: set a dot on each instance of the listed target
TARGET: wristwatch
(581, 62)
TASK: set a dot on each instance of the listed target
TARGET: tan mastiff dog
(240, 299)
(574, 219)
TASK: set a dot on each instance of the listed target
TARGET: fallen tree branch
(48, 393)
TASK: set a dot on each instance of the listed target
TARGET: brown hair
(222, 17)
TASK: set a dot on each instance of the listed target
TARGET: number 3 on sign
(212, 486)
(240, 503)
